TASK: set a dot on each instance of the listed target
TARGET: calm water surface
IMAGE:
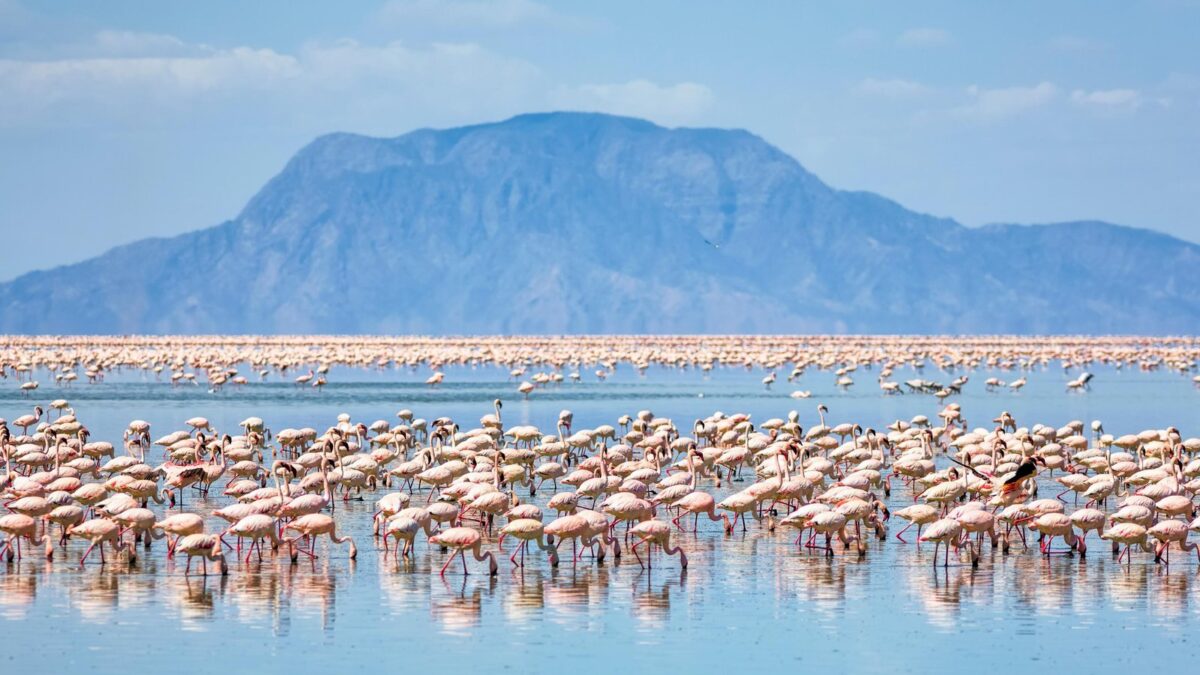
(747, 601)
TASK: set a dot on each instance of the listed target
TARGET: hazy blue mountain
(570, 222)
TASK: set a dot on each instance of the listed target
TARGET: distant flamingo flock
(217, 362)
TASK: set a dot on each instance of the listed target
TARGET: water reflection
(314, 593)
(460, 608)
(572, 589)
(1173, 590)
(524, 596)
(197, 599)
(18, 591)
(652, 597)
(95, 597)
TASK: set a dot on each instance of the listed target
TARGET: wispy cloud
(995, 104)
(892, 88)
(446, 77)
(52, 80)
(469, 15)
(133, 43)
(1077, 44)
(346, 83)
(677, 103)
(1108, 98)
(923, 37)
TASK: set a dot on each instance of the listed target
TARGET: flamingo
(311, 526)
(527, 530)
(460, 539)
(207, 546)
(99, 531)
(942, 532)
(17, 526)
(256, 527)
(179, 525)
(655, 532)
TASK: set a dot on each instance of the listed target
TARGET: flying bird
(1027, 469)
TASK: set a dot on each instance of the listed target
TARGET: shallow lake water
(750, 600)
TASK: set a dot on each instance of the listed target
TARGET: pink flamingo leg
(450, 560)
(86, 553)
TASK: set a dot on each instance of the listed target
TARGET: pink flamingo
(461, 539)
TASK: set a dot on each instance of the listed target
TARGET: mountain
(574, 222)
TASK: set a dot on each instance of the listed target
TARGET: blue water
(746, 601)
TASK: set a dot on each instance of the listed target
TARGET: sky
(126, 119)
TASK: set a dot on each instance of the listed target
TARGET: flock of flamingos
(640, 485)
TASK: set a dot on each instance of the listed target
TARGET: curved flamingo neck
(683, 561)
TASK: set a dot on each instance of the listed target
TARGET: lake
(746, 601)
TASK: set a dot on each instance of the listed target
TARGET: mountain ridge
(583, 222)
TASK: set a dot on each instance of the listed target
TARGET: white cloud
(45, 82)
(447, 63)
(1109, 98)
(130, 43)
(1076, 43)
(891, 88)
(132, 77)
(670, 104)
(994, 104)
(446, 77)
(923, 37)
(467, 14)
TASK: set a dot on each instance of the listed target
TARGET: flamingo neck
(327, 493)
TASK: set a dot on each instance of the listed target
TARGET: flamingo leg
(448, 561)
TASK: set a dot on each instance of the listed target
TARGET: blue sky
(126, 119)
